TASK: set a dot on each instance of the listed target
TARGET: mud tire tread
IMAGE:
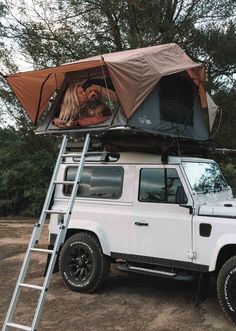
(102, 264)
(229, 265)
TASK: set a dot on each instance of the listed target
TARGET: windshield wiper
(202, 192)
(221, 188)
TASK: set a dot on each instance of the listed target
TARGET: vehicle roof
(134, 157)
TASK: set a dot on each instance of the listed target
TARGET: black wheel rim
(79, 263)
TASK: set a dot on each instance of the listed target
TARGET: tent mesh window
(176, 99)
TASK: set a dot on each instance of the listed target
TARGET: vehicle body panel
(173, 231)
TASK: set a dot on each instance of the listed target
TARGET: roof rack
(102, 156)
(129, 139)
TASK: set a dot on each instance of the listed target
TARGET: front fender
(96, 229)
(227, 239)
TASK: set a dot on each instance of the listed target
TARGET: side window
(96, 182)
(158, 185)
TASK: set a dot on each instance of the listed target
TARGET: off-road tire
(83, 265)
(226, 288)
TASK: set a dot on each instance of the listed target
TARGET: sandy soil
(126, 302)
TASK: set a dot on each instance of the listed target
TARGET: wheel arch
(94, 229)
(224, 249)
(225, 253)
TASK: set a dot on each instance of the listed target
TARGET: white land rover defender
(172, 218)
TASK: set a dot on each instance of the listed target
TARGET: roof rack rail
(103, 156)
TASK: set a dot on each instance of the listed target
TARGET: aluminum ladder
(8, 323)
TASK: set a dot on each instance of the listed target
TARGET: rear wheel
(83, 266)
(226, 288)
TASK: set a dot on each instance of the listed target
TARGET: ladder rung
(53, 211)
(19, 326)
(63, 182)
(35, 287)
(41, 250)
(71, 155)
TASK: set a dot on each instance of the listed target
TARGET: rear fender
(96, 229)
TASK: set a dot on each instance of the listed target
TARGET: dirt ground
(126, 301)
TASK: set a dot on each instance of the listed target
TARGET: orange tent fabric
(35, 88)
(134, 74)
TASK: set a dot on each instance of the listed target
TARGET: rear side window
(97, 182)
(158, 185)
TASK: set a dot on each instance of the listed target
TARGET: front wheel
(226, 288)
(82, 264)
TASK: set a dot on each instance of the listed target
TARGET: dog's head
(93, 93)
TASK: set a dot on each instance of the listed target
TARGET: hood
(225, 208)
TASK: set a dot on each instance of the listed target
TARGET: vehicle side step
(130, 268)
(181, 276)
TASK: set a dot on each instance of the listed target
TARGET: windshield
(204, 176)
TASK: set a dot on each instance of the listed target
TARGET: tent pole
(105, 80)
(40, 97)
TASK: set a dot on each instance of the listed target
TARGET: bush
(229, 171)
(26, 163)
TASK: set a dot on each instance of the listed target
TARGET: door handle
(141, 223)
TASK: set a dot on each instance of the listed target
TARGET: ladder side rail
(51, 188)
(20, 279)
(35, 236)
(54, 176)
(61, 235)
(76, 181)
(47, 278)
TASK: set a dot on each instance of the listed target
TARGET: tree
(225, 134)
(26, 165)
(48, 33)
(51, 32)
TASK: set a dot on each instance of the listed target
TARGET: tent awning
(134, 74)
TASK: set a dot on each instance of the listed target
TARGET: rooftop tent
(156, 89)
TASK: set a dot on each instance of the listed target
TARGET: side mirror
(181, 197)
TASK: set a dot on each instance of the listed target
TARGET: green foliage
(26, 163)
(229, 170)
(225, 135)
(58, 31)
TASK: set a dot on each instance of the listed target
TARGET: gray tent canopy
(172, 108)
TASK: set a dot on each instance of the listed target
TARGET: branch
(179, 10)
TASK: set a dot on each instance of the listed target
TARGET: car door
(160, 228)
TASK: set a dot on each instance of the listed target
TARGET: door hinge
(192, 255)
